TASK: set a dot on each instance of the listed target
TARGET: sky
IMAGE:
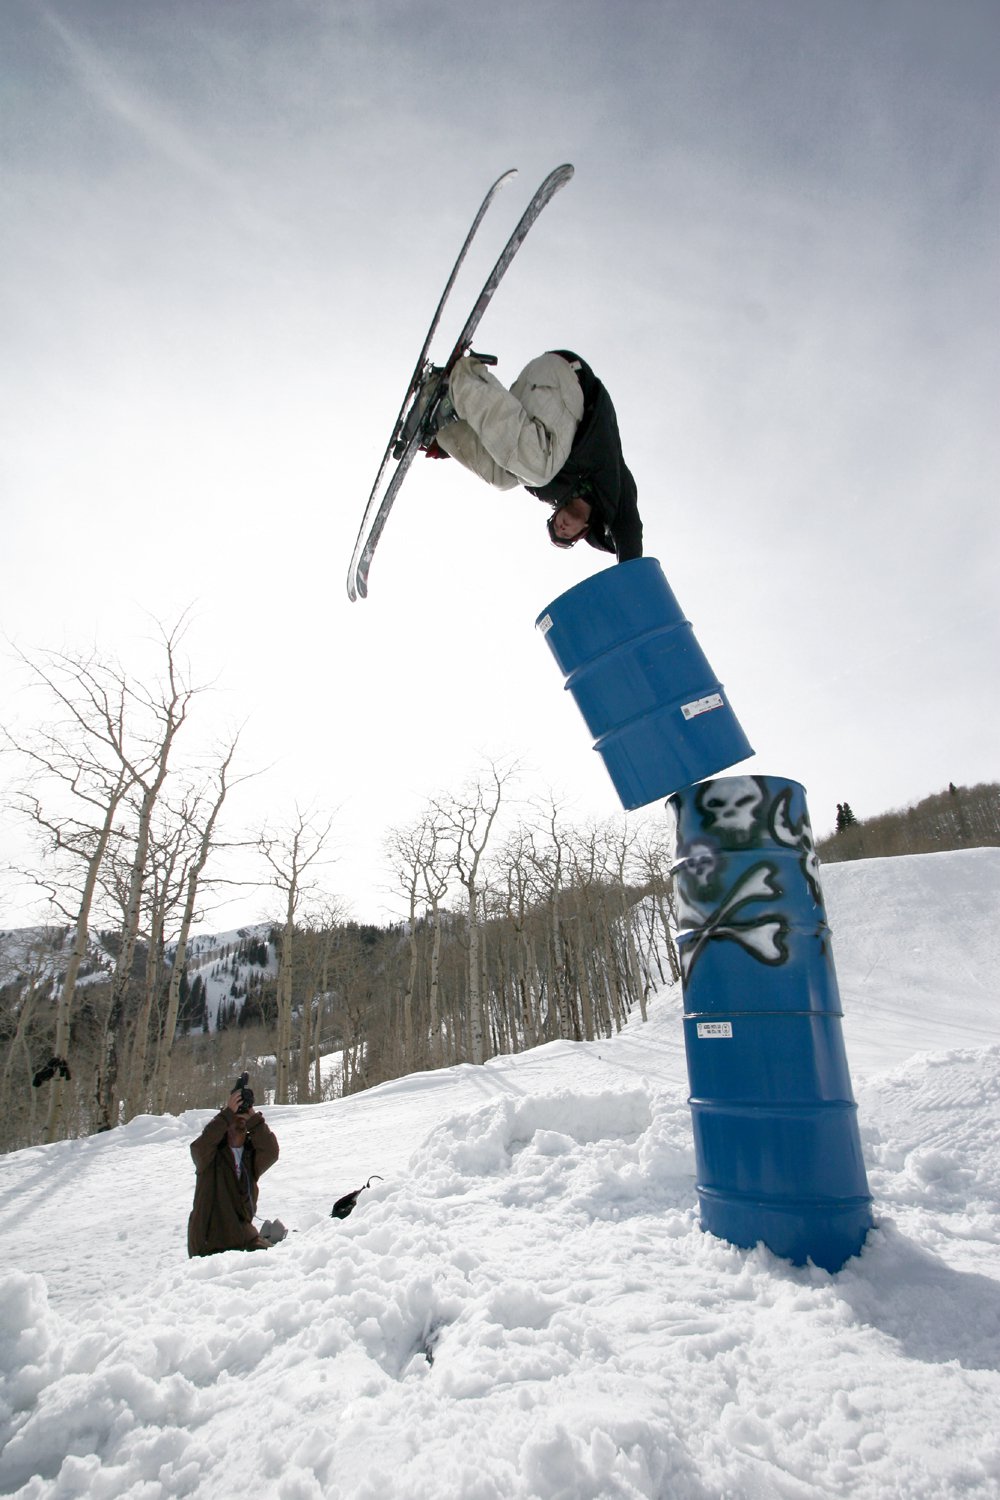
(525, 1306)
(224, 230)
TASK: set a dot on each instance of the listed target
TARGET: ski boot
(431, 410)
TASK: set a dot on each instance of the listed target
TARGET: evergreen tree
(845, 817)
(197, 1003)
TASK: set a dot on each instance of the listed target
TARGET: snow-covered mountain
(42, 953)
(223, 962)
(525, 1306)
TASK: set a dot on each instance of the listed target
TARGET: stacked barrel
(777, 1144)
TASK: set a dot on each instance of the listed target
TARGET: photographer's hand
(235, 1102)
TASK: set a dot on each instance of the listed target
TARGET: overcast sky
(223, 230)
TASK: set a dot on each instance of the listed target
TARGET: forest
(517, 925)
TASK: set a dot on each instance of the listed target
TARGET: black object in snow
(345, 1205)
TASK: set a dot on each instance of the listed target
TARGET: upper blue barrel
(659, 716)
(777, 1146)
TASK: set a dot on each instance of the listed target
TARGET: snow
(526, 1306)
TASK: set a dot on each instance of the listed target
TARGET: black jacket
(597, 471)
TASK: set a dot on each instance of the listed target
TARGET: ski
(417, 375)
(386, 486)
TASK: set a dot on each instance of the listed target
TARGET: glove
(433, 451)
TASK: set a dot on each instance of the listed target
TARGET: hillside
(961, 817)
(525, 1306)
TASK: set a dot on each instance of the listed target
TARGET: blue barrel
(659, 716)
(775, 1124)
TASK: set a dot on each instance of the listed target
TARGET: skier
(555, 432)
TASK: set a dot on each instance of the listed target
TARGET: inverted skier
(555, 432)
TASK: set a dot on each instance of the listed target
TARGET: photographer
(230, 1155)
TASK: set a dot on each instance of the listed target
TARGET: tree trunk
(64, 1008)
(283, 1040)
(140, 1041)
(433, 994)
(161, 1079)
(478, 1043)
(107, 1081)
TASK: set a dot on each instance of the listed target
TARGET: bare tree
(469, 820)
(103, 761)
(78, 848)
(548, 851)
(146, 759)
(420, 857)
(514, 898)
(654, 857)
(200, 816)
(317, 942)
(18, 1099)
(290, 853)
(162, 893)
(621, 844)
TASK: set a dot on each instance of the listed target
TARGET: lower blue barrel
(777, 1146)
(659, 717)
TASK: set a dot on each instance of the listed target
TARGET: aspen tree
(289, 854)
(161, 714)
(469, 819)
(200, 816)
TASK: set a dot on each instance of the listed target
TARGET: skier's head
(569, 522)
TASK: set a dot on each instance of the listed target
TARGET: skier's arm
(628, 538)
(627, 528)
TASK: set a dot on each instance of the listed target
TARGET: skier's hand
(235, 1103)
(433, 451)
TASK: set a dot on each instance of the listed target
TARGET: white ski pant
(520, 436)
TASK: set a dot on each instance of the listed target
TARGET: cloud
(121, 99)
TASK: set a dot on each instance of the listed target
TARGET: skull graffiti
(699, 866)
(731, 808)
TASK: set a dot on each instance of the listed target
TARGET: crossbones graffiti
(764, 938)
(797, 836)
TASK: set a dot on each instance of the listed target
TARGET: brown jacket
(222, 1216)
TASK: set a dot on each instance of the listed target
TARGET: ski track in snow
(526, 1306)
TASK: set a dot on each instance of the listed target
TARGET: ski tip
(557, 178)
(357, 586)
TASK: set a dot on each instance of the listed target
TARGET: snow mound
(525, 1308)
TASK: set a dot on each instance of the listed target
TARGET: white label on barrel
(545, 624)
(701, 705)
(715, 1028)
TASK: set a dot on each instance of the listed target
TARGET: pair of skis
(401, 450)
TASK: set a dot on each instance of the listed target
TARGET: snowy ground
(526, 1306)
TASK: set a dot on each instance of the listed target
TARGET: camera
(246, 1094)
